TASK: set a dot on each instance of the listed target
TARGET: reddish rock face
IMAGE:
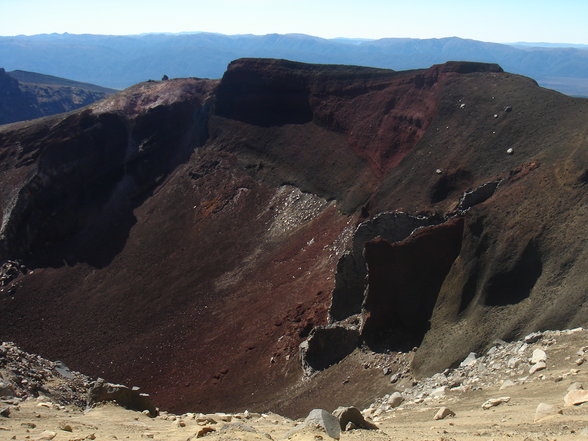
(184, 235)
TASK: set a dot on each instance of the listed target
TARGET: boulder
(443, 412)
(352, 415)
(324, 421)
(122, 395)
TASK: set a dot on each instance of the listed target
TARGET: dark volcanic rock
(122, 395)
(326, 346)
(352, 415)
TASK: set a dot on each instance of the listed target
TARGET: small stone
(533, 337)
(65, 427)
(508, 109)
(395, 399)
(91, 436)
(439, 392)
(576, 385)
(438, 171)
(462, 106)
(506, 384)
(205, 431)
(509, 151)
(580, 361)
(148, 435)
(513, 362)
(394, 378)
(443, 412)
(544, 410)
(538, 355)
(386, 371)
(537, 367)
(575, 397)
(46, 435)
(5, 412)
(350, 426)
(492, 402)
(470, 360)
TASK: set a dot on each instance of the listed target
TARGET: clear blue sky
(491, 20)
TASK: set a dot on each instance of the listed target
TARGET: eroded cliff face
(188, 235)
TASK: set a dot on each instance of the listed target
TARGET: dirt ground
(413, 420)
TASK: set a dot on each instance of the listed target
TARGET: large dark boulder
(124, 396)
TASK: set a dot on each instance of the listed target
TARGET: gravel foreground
(531, 390)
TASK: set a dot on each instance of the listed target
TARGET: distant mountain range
(120, 61)
(28, 95)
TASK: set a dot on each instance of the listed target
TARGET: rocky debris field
(532, 390)
(24, 375)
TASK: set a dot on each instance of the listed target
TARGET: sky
(563, 21)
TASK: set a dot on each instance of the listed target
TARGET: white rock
(575, 397)
(576, 385)
(533, 337)
(495, 402)
(46, 435)
(506, 384)
(439, 392)
(444, 412)
(470, 360)
(513, 362)
(538, 355)
(537, 367)
(395, 399)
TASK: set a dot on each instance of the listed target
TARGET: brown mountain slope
(185, 235)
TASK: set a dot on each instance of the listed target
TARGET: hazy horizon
(499, 21)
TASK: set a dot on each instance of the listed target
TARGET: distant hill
(120, 61)
(48, 80)
(28, 95)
